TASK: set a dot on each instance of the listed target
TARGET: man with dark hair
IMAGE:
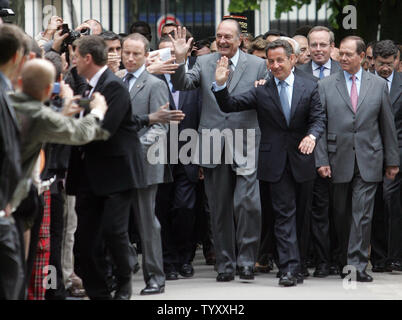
(143, 28)
(386, 237)
(11, 266)
(273, 34)
(168, 28)
(103, 175)
(113, 43)
(360, 140)
(257, 48)
(369, 56)
(232, 188)
(291, 118)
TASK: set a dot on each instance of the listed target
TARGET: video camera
(5, 10)
(73, 35)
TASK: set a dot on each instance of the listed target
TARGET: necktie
(389, 84)
(353, 93)
(127, 79)
(87, 91)
(322, 68)
(283, 96)
(175, 95)
(230, 74)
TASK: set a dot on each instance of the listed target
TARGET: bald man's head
(37, 78)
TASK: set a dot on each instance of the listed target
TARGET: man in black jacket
(291, 118)
(103, 175)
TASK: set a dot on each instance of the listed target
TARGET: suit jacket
(10, 156)
(396, 101)
(249, 68)
(307, 67)
(40, 124)
(114, 165)
(147, 95)
(279, 142)
(368, 137)
(190, 103)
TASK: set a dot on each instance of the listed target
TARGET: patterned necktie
(322, 68)
(283, 96)
(353, 93)
(231, 71)
(127, 79)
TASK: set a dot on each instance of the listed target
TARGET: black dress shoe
(288, 280)
(263, 268)
(334, 270)
(152, 288)
(224, 277)
(123, 291)
(304, 271)
(246, 273)
(171, 275)
(395, 266)
(321, 271)
(186, 270)
(363, 277)
(279, 274)
(380, 267)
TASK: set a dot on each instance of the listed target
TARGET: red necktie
(353, 93)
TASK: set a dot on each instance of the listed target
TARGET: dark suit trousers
(176, 212)
(353, 212)
(320, 220)
(289, 199)
(267, 248)
(102, 220)
(386, 235)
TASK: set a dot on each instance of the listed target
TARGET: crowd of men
(80, 121)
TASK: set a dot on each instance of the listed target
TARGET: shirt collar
(358, 74)
(289, 80)
(327, 65)
(94, 80)
(138, 72)
(7, 81)
(389, 79)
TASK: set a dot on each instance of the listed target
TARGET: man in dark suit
(359, 142)
(291, 119)
(386, 236)
(11, 265)
(103, 176)
(321, 41)
(176, 201)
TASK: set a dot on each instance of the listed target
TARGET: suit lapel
(238, 72)
(343, 90)
(396, 87)
(298, 89)
(139, 84)
(335, 66)
(364, 88)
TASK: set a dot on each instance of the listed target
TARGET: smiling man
(232, 189)
(359, 143)
(291, 118)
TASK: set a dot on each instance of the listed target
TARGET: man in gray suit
(321, 41)
(359, 141)
(232, 189)
(147, 93)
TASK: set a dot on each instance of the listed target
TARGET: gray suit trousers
(150, 234)
(234, 202)
(353, 212)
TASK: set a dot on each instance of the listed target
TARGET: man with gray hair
(232, 188)
(304, 56)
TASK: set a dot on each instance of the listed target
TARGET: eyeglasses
(322, 45)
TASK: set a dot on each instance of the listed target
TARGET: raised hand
(181, 46)
(222, 71)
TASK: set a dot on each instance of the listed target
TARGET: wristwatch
(312, 137)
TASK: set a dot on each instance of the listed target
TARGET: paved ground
(203, 286)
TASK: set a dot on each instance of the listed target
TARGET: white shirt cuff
(215, 87)
(97, 113)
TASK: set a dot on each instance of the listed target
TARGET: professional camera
(72, 36)
(5, 10)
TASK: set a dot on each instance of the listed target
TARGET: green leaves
(243, 5)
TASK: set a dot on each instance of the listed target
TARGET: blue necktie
(284, 100)
(322, 68)
(127, 80)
